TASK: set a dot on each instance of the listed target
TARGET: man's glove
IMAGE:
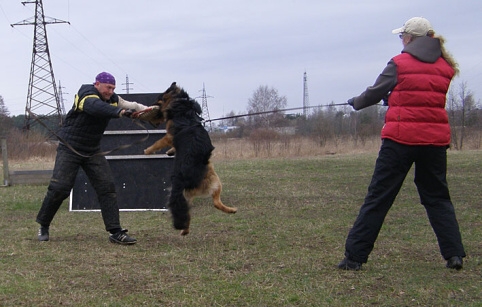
(351, 102)
(153, 115)
(148, 114)
(128, 112)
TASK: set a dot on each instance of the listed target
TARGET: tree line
(336, 123)
(327, 123)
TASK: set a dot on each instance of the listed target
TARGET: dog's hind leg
(179, 206)
(185, 231)
(216, 195)
(212, 186)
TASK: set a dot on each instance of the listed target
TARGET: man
(416, 131)
(94, 106)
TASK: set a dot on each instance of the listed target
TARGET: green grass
(280, 249)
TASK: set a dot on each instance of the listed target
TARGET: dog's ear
(171, 88)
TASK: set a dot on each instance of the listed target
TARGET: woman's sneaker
(122, 237)
(43, 233)
(455, 262)
(349, 265)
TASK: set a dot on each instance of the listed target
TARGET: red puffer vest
(416, 113)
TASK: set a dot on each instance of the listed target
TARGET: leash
(275, 111)
(104, 153)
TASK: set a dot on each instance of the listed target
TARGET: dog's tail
(178, 204)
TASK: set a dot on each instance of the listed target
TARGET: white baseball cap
(417, 26)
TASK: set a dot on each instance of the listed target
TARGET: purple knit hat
(105, 77)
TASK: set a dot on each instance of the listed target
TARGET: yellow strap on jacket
(79, 104)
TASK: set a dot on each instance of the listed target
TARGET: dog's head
(159, 115)
(172, 93)
(175, 103)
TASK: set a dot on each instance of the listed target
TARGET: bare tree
(5, 121)
(460, 104)
(463, 104)
(452, 107)
(266, 99)
(321, 127)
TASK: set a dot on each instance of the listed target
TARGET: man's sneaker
(455, 262)
(122, 237)
(43, 233)
(349, 265)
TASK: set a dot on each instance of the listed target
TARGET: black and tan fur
(193, 174)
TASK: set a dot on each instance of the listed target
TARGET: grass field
(280, 249)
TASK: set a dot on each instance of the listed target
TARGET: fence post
(6, 178)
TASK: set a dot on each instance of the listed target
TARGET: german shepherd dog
(193, 174)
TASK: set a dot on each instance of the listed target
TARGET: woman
(416, 131)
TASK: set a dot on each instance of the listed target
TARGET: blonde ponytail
(445, 54)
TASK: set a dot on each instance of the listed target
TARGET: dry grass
(280, 249)
(226, 149)
(33, 163)
(289, 147)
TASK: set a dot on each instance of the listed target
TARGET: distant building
(226, 129)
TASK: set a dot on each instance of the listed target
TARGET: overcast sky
(230, 46)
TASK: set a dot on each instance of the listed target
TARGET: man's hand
(127, 113)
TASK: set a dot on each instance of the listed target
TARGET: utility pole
(306, 101)
(127, 85)
(42, 92)
(205, 110)
(61, 99)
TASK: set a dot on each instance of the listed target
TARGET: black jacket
(87, 120)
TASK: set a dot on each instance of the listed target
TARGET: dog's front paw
(148, 151)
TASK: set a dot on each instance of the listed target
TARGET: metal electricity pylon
(205, 110)
(127, 85)
(306, 101)
(61, 99)
(42, 98)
